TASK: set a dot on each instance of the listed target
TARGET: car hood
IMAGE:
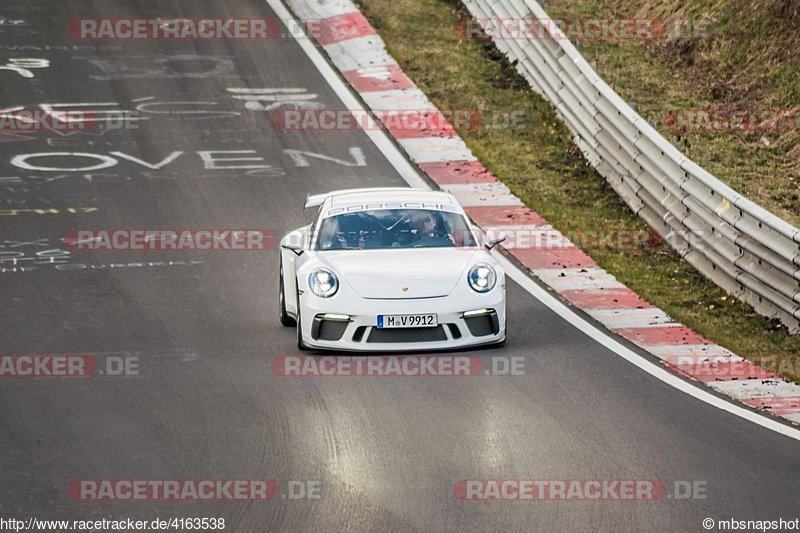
(399, 274)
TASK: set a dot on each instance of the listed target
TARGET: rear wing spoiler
(315, 200)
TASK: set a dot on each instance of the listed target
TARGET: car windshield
(394, 228)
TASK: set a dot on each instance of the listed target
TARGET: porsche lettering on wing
(390, 205)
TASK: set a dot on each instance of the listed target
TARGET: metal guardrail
(740, 246)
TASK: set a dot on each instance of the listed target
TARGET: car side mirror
(491, 243)
(294, 247)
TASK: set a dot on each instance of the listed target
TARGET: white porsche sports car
(390, 269)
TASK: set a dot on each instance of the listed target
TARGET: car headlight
(323, 283)
(482, 277)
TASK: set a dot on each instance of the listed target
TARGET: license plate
(407, 321)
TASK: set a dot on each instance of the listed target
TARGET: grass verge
(731, 55)
(536, 159)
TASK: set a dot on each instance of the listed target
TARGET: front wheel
(300, 344)
(286, 320)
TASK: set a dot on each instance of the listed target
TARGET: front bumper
(350, 323)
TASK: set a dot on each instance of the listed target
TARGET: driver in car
(423, 226)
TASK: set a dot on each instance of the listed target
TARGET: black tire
(300, 344)
(286, 320)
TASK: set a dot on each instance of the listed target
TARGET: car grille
(331, 331)
(407, 335)
(483, 325)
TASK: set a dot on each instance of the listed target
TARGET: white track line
(378, 136)
(409, 173)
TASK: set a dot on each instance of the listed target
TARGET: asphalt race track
(202, 331)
